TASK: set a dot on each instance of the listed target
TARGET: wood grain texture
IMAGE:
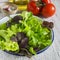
(53, 52)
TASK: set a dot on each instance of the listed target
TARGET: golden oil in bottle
(21, 4)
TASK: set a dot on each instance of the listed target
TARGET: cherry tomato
(32, 7)
(48, 10)
(46, 1)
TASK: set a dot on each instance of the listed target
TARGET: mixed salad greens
(34, 36)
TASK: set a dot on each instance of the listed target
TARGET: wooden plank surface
(53, 52)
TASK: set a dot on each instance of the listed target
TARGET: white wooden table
(53, 52)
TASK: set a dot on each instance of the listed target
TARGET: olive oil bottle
(21, 4)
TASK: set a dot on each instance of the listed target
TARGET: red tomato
(46, 1)
(48, 10)
(32, 7)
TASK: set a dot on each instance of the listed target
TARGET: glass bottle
(21, 4)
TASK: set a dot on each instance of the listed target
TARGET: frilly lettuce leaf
(31, 25)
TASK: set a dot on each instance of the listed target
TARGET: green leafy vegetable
(3, 26)
(5, 43)
(37, 34)
(31, 25)
(32, 50)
